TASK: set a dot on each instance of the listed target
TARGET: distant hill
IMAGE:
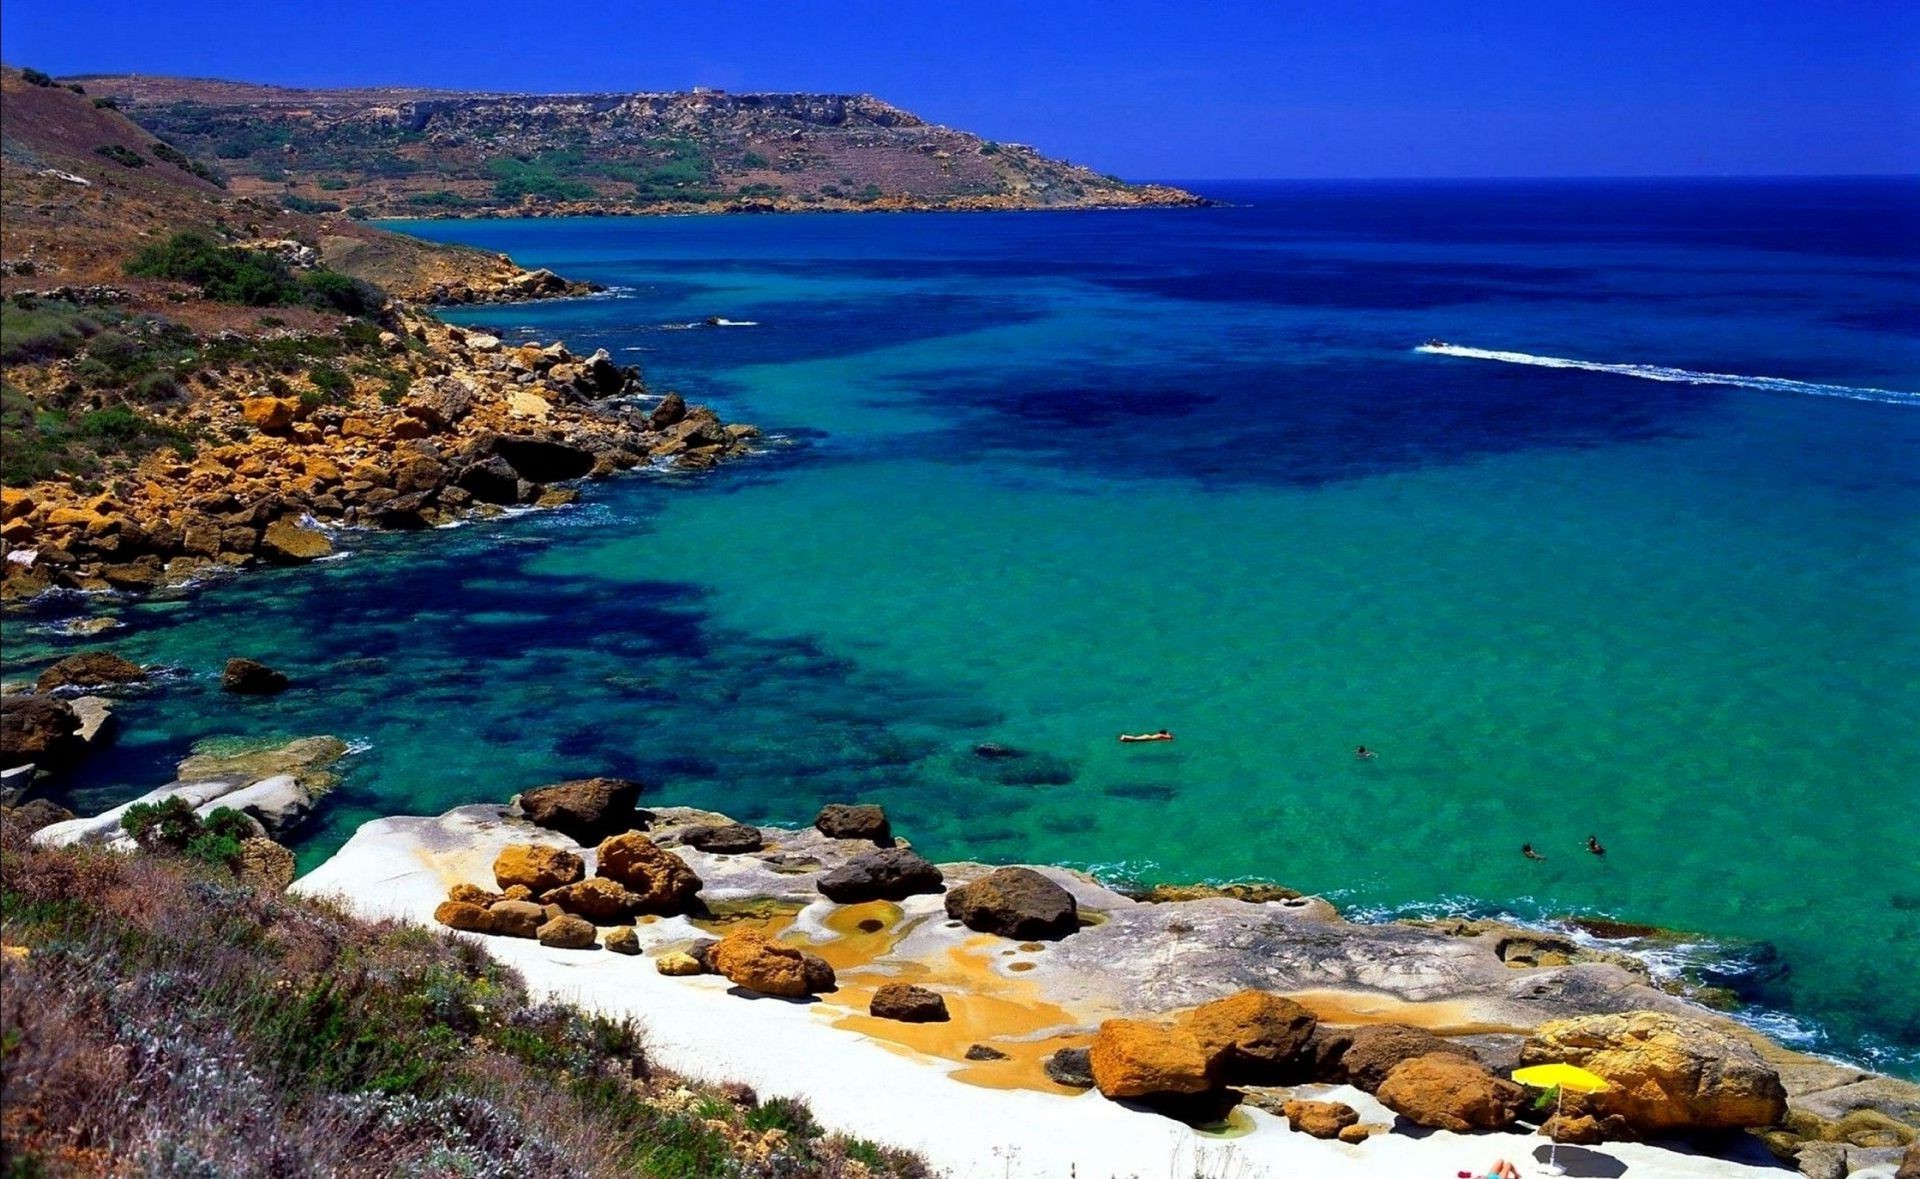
(85, 188)
(412, 152)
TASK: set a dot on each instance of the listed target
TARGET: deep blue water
(1037, 478)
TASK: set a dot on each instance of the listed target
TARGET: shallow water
(1040, 478)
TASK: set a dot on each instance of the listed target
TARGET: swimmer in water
(1526, 849)
(1593, 845)
(1161, 735)
(1363, 753)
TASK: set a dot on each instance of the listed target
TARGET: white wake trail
(1655, 372)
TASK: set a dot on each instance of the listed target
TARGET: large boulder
(670, 412)
(490, 481)
(248, 677)
(567, 932)
(90, 669)
(269, 414)
(663, 882)
(889, 874)
(38, 730)
(1666, 1073)
(463, 915)
(854, 821)
(1373, 1052)
(537, 866)
(598, 899)
(1017, 903)
(749, 958)
(1447, 1092)
(263, 863)
(1251, 1032)
(587, 810)
(908, 1004)
(1137, 1058)
(1071, 1067)
(511, 918)
(438, 401)
(288, 543)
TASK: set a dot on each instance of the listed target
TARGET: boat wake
(1654, 372)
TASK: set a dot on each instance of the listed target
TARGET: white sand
(696, 1027)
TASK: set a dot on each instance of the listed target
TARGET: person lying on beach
(1501, 1169)
(1363, 753)
(1593, 845)
(1162, 735)
(1526, 849)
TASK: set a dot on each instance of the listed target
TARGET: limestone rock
(38, 730)
(35, 813)
(889, 874)
(461, 915)
(250, 678)
(1374, 1051)
(586, 809)
(1070, 1067)
(671, 410)
(663, 882)
(1448, 1092)
(1321, 1119)
(677, 963)
(908, 1004)
(598, 899)
(567, 932)
(96, 719)
(517, 918)
(1355, 1135)
(864, 821)
(1250, 1031)
(264, 864)
(723, 839)
(1137, 1058)
(1017, 903)
(539, 460)
(819, 973)
(748, 958)
(90, 669)
(1668, 1073)
(1897, 1100)
(1909, 1163)
(268, 414)
(621, 939)
(289, 544)
(539, 867)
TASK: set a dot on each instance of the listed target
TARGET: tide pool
(1037, 479)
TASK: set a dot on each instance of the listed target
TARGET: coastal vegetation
(161, 1015)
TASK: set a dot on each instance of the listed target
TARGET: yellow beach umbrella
(1559, 1078)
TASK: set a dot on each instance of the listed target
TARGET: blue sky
(1187, 90)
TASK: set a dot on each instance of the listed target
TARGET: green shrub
(35, 77)
(253, 278)
(754, 159)
(300, 204)
(333, 384)
(333, 183)
(108, 103)
(123, 156)
(761, 190)
(44, 330)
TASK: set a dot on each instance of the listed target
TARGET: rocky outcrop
(748, 958)
(889, 874)
(90, 669)
(1017, 903)
(586, 810)
(1448, 1092)
(598, 899)
(248, 677)
(908, 1004)
(1666, 1073)
(537, 866)
(849, 821)
(287, 543)
(263, 863)
(1139, 1058)
(661, 881)
(723, 838)
(516, 918)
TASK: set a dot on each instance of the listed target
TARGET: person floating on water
(1593, 845)
(1363, 753)
(1159, 735)
(1526, 849)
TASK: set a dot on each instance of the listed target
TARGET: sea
(1591, 508)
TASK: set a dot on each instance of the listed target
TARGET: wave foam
(1655, 372)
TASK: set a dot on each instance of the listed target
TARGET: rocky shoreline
(469, 426)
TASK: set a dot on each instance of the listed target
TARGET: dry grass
(166, 1020)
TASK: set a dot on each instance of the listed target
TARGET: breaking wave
(1655, 372)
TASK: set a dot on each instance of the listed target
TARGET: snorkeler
(1526, 849)
(1161, 735)
(1363, 753)
(1593, 845)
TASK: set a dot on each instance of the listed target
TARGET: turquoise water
(1037, 479)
